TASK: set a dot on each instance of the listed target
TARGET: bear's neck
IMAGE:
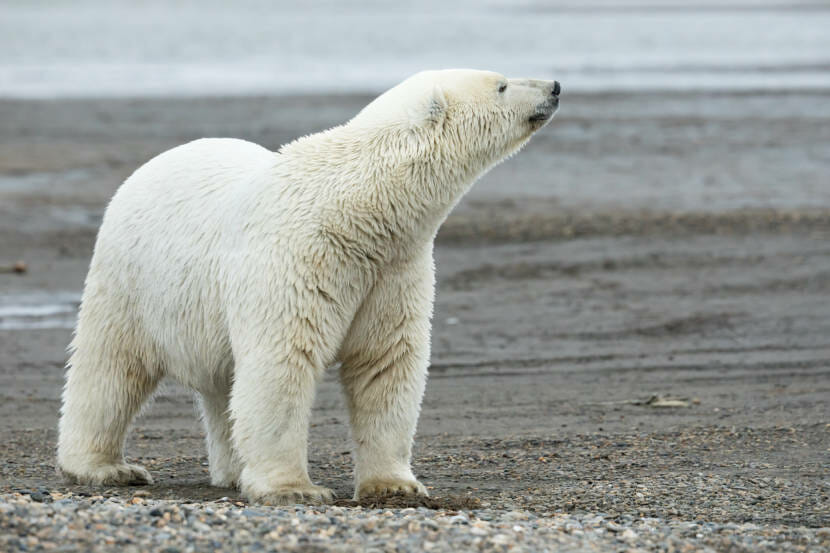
(390, 191)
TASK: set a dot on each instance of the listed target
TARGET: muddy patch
(401, 501)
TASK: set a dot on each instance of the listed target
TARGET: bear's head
(470, 118)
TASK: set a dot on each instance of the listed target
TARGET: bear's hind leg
(224, 463)
(102, 395)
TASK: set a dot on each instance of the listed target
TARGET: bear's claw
(389, 486)
(312, 495)
(121, 474)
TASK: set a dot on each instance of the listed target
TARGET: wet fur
(244, 273)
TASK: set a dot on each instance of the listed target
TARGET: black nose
(556, 88)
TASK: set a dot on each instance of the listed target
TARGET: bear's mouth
(544, 112)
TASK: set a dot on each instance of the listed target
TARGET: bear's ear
(431, 111)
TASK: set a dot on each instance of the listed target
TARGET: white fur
(244, 273)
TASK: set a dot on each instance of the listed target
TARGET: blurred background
(676, 116)
(152, 47)
(695, 116)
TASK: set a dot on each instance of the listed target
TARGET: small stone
(628, 534)
(459, 519)
(501, 539)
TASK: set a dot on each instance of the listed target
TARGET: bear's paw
(307, 494)
(390, 486)
(117, 474)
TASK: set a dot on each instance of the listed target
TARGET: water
(210, 47)
(38, 310)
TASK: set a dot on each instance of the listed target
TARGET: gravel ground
(774, 476)
(58, 522)
(699, 489)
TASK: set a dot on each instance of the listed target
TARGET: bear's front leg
(281, 347)
(270, 407)
(384, 368)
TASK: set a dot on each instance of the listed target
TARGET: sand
(668, 245)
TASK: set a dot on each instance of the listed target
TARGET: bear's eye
(502, 87)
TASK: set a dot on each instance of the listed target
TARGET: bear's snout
(544, 111)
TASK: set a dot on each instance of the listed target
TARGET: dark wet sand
(579, 279)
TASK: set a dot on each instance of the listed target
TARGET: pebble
(628, 534)
(123, 524)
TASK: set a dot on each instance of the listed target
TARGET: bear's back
(195, 170)
(166, 240)
(181, 202)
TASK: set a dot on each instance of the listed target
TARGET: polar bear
(244, 273)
